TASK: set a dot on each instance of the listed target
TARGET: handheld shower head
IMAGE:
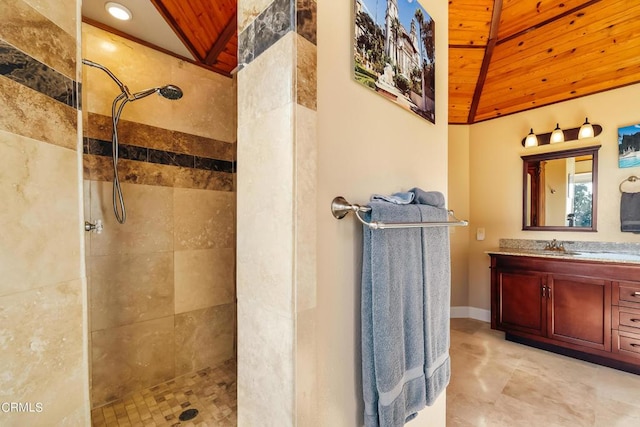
(170, 92)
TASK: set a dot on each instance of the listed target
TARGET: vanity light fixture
(557, 135)
(531, 140)
(586, 130)
(118, 11)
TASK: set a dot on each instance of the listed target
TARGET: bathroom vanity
(581, 304)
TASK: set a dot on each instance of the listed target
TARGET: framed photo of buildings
(629, 146)
(394, 53)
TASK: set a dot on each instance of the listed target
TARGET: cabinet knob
(636, 294)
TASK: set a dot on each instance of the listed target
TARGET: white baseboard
(471, 312)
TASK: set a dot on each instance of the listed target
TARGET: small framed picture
(394, 53)
(629, 146)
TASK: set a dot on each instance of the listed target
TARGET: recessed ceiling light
(118, 11)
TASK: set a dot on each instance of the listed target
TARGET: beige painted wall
(459, 200)
(496, 169)
(366, 145)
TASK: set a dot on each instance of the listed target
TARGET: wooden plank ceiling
(207, 28)
(507, 56)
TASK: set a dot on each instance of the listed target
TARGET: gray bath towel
(405, 339)
(436, 264)
(630, 212)
(403, 198)
(432, 198)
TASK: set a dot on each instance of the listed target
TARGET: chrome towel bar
(340, 208)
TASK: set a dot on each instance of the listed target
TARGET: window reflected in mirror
(560, 190)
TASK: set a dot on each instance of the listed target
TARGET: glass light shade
(118, 11)
(531, 140)
(557, 135)
(586, 130)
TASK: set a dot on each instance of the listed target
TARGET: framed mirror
(560, 190)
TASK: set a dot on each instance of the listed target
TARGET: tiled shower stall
(161, 286)
(89, 318)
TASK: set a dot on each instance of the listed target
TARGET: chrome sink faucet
(554, 245)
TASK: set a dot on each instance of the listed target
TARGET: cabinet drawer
(626, 343)
(627, 294)
(625, 319)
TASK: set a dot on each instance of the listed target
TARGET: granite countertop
(588, 251)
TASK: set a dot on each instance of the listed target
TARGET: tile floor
(212, 391)
(494, 383)
(499, 383)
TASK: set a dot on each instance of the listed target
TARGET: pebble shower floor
(211, 391)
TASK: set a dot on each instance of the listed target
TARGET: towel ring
(632, 178)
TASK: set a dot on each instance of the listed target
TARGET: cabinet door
(579, 311)
(521, 304)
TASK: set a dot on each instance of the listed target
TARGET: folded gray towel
(405, 314)
(403, 198)
(630, 212)
(432, 198)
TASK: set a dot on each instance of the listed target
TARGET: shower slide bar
(340, 208)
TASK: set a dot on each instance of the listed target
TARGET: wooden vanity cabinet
(585, 309)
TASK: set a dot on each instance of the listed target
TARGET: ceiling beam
(164, 12)
(224, 37)
(491, 44)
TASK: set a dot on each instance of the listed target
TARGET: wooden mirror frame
(529, 160)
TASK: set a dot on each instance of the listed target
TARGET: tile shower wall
(277, 252)
(162, 285)
(42, 278)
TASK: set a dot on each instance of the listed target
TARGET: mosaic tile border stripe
(24, 27)
(100, 127)
(100, 168)
(306, 19)
(278, 19)
(271, 25)
(22, 68)
(99, 147)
